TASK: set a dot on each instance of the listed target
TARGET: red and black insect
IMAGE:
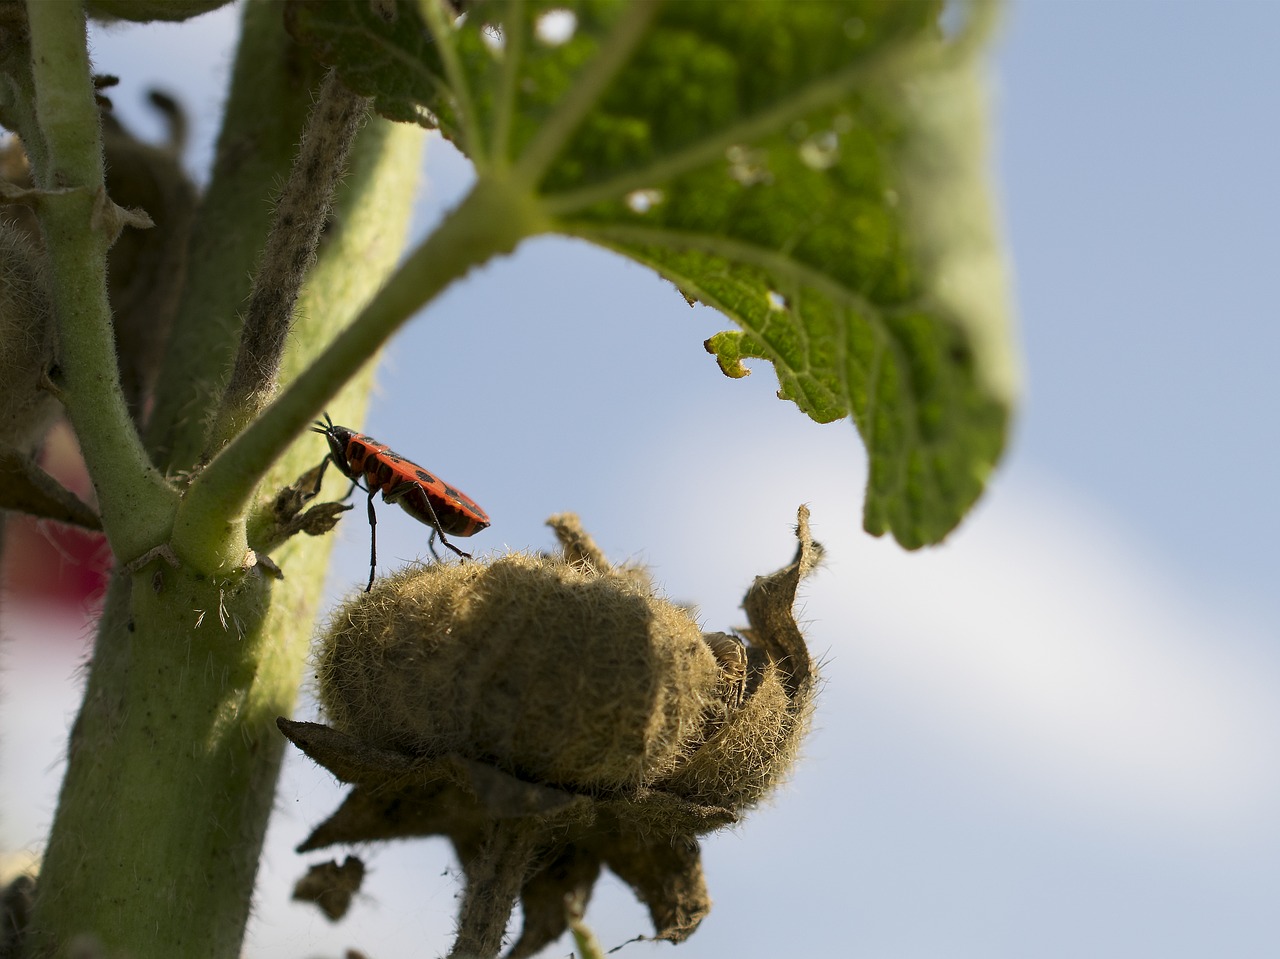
(422, 495)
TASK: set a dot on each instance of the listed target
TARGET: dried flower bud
(551, 671)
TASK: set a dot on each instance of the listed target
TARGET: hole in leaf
(776, 300)
(556, 27)
(641, 201)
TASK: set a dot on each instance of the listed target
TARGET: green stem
(135, 501)
(173, 758)
(174, 755)
(271, 94)
(65, 107)
(301, 212)
(492, 219)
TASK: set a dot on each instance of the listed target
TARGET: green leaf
(813, 170)
(382, 51)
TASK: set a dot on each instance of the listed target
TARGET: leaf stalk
(79, 224)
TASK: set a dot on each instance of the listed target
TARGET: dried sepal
(576, 544)
(26, 488)
(578, 548)
(400, 796)
(316, 521)
(571, 872)
(331, 886)
(289, 515)
(757, 743)
(291, 500)
(16, 902)
(666, 875)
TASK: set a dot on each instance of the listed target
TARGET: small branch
(79, 223)
(290, 253)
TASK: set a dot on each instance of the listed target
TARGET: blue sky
(1055, 736)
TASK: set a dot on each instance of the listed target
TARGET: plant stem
(299, 219)
(495, 876)
(271, 94)
(174, 756)
(77, 216)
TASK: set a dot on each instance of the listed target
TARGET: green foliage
(795, 165)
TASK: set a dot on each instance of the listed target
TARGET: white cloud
(1058, 655)
(1043, 648)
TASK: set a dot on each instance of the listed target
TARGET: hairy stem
(300, 217)
(174, 755)
(495, 876)
(80, 223)
(493, 218)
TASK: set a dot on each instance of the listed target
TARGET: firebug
(421, 494)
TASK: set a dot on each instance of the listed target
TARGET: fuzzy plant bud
(549, 670)
(554, 716)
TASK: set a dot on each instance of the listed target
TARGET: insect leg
(324, 465)
(459, 552)
(373, 536)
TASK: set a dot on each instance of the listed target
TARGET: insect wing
(428, 499)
